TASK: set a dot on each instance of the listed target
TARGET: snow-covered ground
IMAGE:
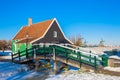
(116, 69)
(77, 75)
(115, 57)
(99, 50)
(6, 51)
(12, 71)
(9, 69)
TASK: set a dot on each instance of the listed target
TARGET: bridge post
(55, 65)
(90, 58)
(66, 56)
(79, 56)
(104, 60)
(95, 64)
(54, 59)
(54, 55)
(34, 53)
(12, 56)
(44, 50)
(26, 53)
(36, 64)
(36, 59)
(19, 55)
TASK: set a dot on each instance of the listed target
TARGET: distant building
(101, 44)
(48, 31)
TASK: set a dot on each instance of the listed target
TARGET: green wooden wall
(20, 46)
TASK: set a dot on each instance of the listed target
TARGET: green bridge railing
(28, 53)
(79, 56)
(66, 52)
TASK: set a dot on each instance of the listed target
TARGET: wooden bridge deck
(83, 66)
(71, 62)
(63, 54)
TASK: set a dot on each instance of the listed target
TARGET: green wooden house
(48, 31)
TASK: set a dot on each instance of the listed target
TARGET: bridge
(63, 53)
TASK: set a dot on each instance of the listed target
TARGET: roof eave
(17, 32)
(49, 28)
(44, 33)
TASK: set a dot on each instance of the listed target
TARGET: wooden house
(48, 31)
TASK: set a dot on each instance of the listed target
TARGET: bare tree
(3, 44)
(73, 39)
(9, 43)
(77, 40)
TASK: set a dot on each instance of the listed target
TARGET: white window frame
(55, 34)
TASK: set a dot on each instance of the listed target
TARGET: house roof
(34, 31)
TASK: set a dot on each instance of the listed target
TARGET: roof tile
(34, 31)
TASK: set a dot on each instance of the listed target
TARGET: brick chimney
(29, 21)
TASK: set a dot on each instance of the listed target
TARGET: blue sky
(92, 19)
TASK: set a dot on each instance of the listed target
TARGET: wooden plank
(74, 63)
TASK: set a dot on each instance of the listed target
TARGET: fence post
(54, 54)
(54, 59)
(12, 56)
(80, 59)
(19, 55)
(66, 56)
(34, 53)
(44, 47)
(26, 54)
(95, 62)
(105, 60)
(44, 51)
(90, 58)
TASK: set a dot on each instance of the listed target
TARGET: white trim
(44, 33)
(83, 52)
(49, 28)
(55, 34)
(62, 31)
(18, 32)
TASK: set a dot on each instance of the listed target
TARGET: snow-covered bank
(12, 71)
(9, 69)
(115, 57)
(116, 69)
(77, 75)
(6, 51)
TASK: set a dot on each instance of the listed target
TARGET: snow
(6, 51)
(9, 69)
(78, 75)
(116, 69)
(12, 71)
(115, 57)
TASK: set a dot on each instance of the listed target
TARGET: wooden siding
(49, 38)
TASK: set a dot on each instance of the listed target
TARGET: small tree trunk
(3, 49)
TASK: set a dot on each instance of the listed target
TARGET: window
(55, 34)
